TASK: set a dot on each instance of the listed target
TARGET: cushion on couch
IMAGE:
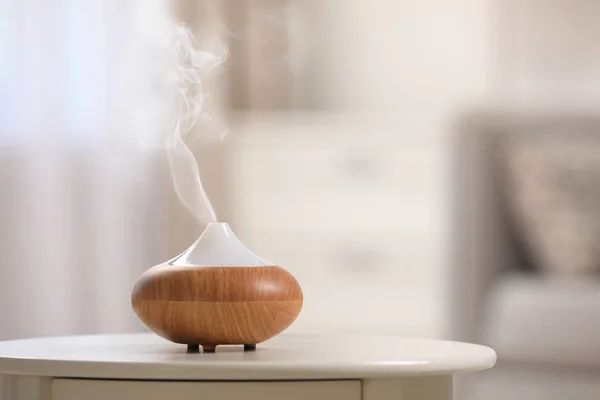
(552, 192)
(532, 318)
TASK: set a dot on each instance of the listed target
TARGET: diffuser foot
(248, 347)
(193, 348)
(209, 348)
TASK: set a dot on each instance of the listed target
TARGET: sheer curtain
(81, 209)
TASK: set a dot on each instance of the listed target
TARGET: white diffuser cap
(218, 246)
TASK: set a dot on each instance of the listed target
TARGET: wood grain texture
(210, 306)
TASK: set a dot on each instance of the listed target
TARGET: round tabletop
(285, 357)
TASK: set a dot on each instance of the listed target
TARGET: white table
(290, 367)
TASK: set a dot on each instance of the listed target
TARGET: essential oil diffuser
(217, 292)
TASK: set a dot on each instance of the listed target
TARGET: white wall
(387, 55)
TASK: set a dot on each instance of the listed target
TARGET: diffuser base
(210, 348)
(193, 348)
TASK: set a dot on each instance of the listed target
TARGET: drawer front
(329, 193)
(341, 176)
(83, 389)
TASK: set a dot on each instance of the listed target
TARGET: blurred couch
(545, 329)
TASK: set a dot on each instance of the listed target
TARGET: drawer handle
(359, 166)
(359, 258)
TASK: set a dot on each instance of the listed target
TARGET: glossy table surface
(285, 357)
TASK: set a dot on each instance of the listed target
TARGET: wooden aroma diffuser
(217, 292)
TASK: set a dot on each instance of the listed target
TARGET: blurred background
(424, 168)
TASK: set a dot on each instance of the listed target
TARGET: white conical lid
(218, 246)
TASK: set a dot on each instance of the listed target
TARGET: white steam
(190, 70)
